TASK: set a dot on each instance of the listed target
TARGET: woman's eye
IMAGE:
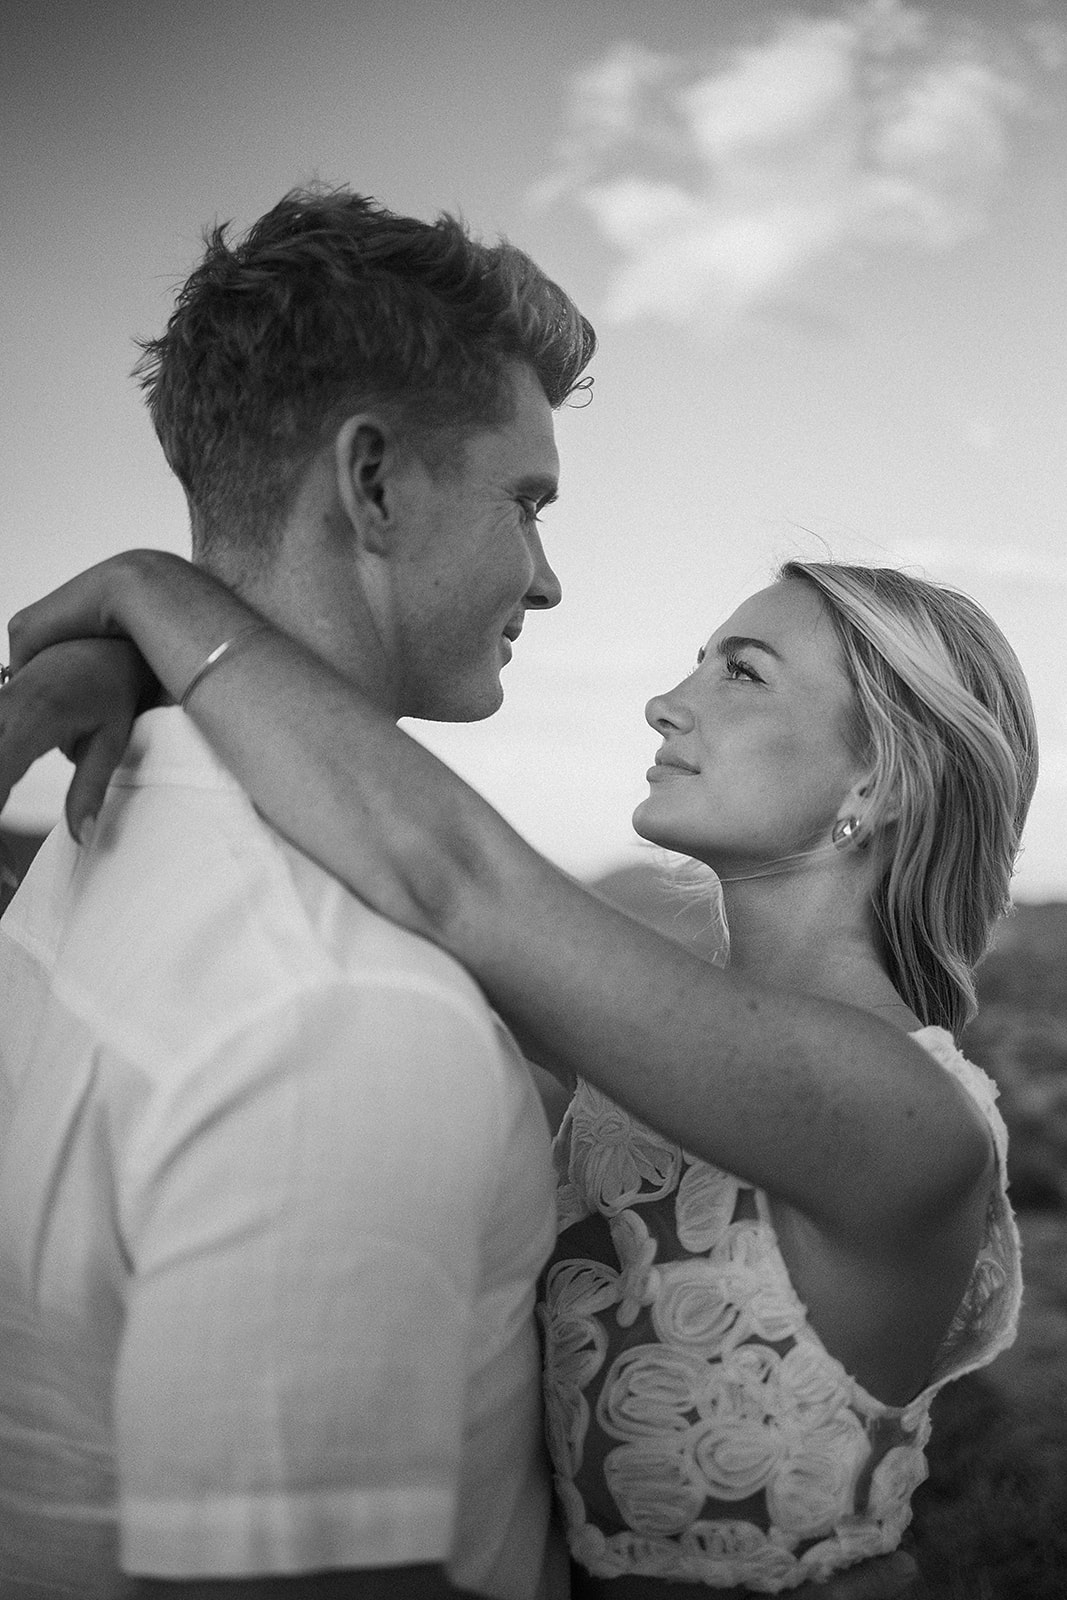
(736, 668)
(531, 510)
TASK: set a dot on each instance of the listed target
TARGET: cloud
(726, 190)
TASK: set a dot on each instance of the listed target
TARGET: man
(276, 1186)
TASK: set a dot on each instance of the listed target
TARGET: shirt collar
(166, 747)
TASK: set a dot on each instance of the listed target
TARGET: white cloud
(606, 93)
(724, 190)
(771, 95)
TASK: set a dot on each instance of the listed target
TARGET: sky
(823, 245)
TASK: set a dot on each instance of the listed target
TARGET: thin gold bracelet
(242, 636)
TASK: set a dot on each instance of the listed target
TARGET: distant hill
(1027, 968)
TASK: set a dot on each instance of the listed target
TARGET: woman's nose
(666, 714)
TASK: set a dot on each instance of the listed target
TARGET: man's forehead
(523, 449)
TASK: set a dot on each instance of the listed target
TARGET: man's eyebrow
(738, 641)
(541, 489)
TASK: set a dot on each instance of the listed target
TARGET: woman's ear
(857, 805)
(366, 460)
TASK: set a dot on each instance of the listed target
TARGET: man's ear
(366, 461)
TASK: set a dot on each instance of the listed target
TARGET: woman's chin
(646, 828)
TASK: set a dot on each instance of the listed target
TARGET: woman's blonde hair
(943, 715)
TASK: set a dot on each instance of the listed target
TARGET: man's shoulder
(223, 846)
(357, 941)
(189, 916)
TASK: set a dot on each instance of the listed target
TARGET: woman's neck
(811, 931)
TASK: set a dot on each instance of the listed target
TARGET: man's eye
(531, 510)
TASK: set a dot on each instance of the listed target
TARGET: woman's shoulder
(940, 1044)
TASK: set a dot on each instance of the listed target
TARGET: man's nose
(545, 589)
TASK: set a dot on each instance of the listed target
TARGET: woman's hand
(79, 696)
(175, 614)
(90, 606)
(92, 653)
(88, 656)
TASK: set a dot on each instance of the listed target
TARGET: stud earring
(844, 832)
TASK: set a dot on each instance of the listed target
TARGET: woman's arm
(826, 1107)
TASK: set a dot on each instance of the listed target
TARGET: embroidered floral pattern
(639, 1284)
(615, 1159)
(575, 1345)
(814, 1385)
(737, 1456)
(723, 1539)
(696, 1311)
(741, 1452)
(704, 1205)
(813, 1486)
(653, 1486)
(650, 1390)
(570, 1205)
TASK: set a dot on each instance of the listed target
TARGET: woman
(750, 1309)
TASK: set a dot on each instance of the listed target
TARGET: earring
(844, 832)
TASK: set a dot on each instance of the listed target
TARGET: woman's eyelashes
(736, 667)
(733, 666)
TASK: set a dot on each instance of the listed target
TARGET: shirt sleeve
(304, 1243)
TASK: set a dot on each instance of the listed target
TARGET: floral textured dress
(698, 1428)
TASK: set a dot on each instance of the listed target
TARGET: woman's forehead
(788, 611)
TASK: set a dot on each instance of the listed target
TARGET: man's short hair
(330, 304)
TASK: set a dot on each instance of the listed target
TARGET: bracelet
(216, 656)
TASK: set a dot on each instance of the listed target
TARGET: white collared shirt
(274, 1192)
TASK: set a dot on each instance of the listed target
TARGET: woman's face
(754, 763)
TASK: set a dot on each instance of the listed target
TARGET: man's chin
(475, 704)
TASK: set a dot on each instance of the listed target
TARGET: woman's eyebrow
(738, 641)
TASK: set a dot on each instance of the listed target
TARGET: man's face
(472, 564)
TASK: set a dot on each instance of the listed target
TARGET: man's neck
(322, 609)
